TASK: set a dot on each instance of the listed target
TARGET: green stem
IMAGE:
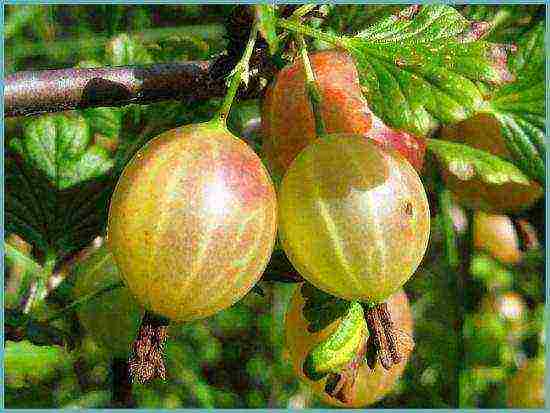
(296, 27)
(236, 77)
(311, 86)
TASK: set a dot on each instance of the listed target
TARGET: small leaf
(26, 363)
(321, 309)
(265, 14)
(340, 347)
(418, 69)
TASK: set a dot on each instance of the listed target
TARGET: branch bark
(36, 92)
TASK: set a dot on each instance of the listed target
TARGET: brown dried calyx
(386, 342)
(341, 385)
(147, 359)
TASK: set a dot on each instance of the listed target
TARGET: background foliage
(63, 168)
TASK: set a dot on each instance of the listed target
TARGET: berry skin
(192, 222)
(354, 219)
(288, 124)
(496, 235)
(371, 385)
(111, 318)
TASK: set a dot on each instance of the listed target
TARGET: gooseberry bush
(336, 206)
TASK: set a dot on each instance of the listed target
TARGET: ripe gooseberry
(496, 235)
(483, 132)
(112, 318)
(288, 124)
(192, 221)
(354, 218)
(371, 384)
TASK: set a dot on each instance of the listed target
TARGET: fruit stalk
(311, 87)
(240, 73)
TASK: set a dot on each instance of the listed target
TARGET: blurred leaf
(467, 163)
(520, 106)
(19, 326)
(26, 363)
(321, 309)
(265, 13)
(125, 50)
(450, 238)
(94, 399)
(491, 272)
(418, 70)
(18, 17)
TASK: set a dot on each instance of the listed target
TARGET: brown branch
(35, 92)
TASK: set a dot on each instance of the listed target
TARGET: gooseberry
(288, 124)
(496, 235)
(112, 318)
(354, 218)
(371, 384)
(192, 221)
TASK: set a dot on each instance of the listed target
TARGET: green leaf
(420, 70)
(60, 147)
(520, 106)
(26, 363)
(340, 347)
(105, 126)
(125, 50)
(321, 309)
(528, 61)
(265, 14)
(467, 163)
(57, 183)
